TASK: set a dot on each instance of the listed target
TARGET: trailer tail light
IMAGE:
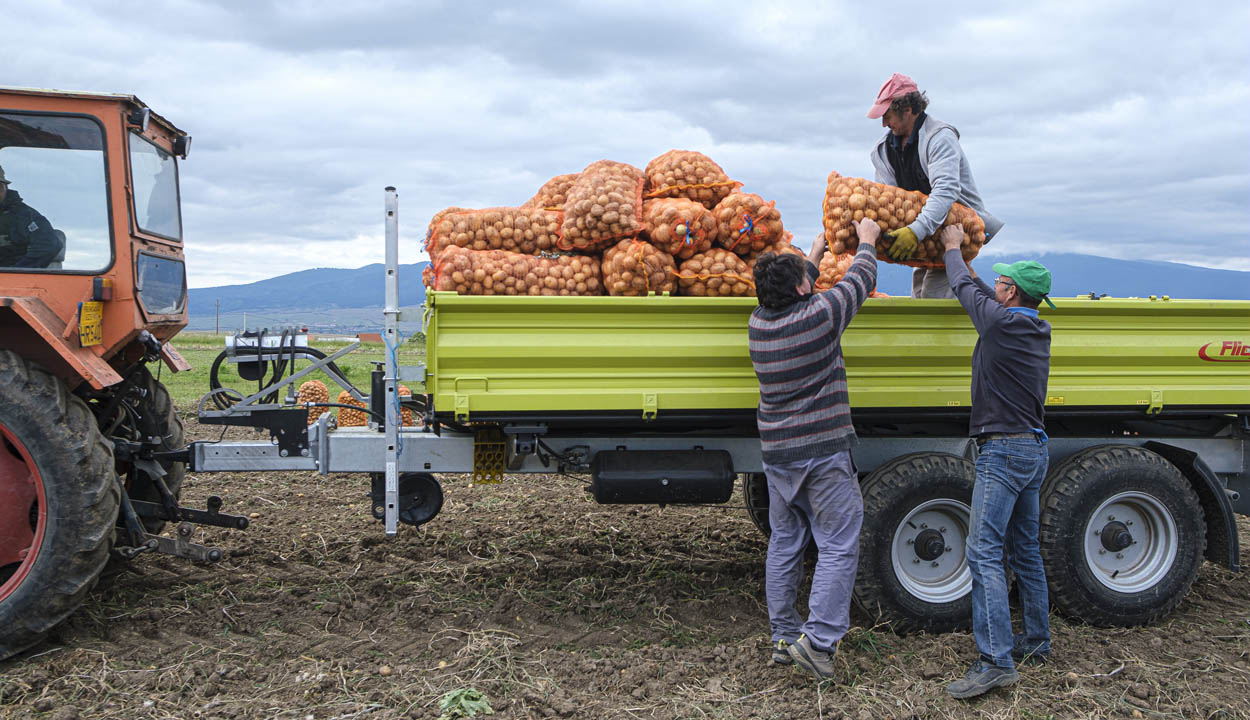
(161, 283)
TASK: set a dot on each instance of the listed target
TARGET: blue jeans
(820, 499)
(1005, 514)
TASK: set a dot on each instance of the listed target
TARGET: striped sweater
(804, 410)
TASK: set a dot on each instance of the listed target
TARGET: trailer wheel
(158, 418)
(755, 496)
(58, 502)
(1122, 536)
(912, 570)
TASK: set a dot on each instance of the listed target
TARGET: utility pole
(218, 330)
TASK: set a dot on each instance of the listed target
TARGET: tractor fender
(46, 343)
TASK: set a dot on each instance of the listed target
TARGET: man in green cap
(1010, 366)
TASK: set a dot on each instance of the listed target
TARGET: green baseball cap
(1031, 276)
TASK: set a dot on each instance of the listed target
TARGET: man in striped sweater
(806, 437)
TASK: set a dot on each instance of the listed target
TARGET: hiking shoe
(781, 656)
(816, 662)
(1025, 655)
(980, 679)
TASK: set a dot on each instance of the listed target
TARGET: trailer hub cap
(22, 513)
(1131, 542)
(928, 551)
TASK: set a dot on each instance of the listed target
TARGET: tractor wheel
(58, 502)
(157, 418)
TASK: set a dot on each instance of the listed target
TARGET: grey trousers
(818, 499)
(931, 283)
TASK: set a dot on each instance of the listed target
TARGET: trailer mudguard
(1223, 546)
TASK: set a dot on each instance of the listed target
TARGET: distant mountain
(332, 299)
(1074, 275)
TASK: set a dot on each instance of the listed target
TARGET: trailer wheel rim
(1131, 542)
(928, 551)
(23, 512)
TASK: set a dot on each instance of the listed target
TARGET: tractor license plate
(90, 323)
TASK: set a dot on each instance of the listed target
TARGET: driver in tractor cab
(27, 239)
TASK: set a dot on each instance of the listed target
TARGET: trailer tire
(924, 584)
(158, 418)
(55, 462)
(755, 496)
(1141, 513)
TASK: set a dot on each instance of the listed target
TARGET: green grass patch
(201, 348)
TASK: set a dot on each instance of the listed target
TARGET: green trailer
(1148, 412)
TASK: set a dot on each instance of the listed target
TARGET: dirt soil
(551, 606)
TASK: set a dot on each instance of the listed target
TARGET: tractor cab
(90, 231)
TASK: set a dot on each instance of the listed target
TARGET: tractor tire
(157, 418)
(1122, 536)
(912, 570)
(58, 502)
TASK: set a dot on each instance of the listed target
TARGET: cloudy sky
(1113, 128)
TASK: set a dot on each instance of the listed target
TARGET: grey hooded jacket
(949, 175)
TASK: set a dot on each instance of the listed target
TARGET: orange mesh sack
(833, 269)
(348, 417)
(603, 205)
(746, 224)
(552, 194)
(524, 230)
(435, 222)
(688, 174)
(716, 273)
(634, 267)
(851, 199)
(427, 275)
(498, 272)
(407, 419)
(780, 247)
(678, 226)
(314, 391)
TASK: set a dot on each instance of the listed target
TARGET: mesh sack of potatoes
(498, 272)
(407, 419)
(314, 391)
(427, 275)
(678, 226)
(349, 417)
(746, 224)
(833, 269)
(603, 205)
(780, 247)
(851, 199)
(635, 267)
(715, 273)
(435, 222)
(688, 174)
(552, 194)
(523, 230)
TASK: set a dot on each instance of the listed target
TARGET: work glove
(903, 244)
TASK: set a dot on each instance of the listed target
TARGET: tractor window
(53, 201)
(155, 177)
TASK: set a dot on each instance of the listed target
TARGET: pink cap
(896, 86)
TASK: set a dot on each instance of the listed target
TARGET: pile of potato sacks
(680, 226)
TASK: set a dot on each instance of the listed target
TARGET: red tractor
(92, 287)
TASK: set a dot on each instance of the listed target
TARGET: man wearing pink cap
(923, 153)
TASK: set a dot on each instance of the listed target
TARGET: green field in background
(201, 348)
